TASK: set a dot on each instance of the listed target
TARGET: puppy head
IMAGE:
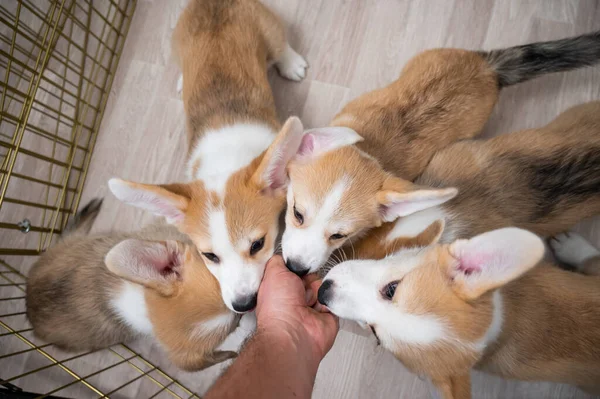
(435, 294)
(234, 227)
(166, 267)
(337, 196)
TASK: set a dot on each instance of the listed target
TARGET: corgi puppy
(479, 303)
(442, 96)
(238, 152)
(91, 292)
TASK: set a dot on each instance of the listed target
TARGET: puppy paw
(572, 249)
(291, 65)
(248, 322)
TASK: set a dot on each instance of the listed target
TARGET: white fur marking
(130, 305)
(495, 328)
(216, 324)
(237, 277)
(224, 151)
(413, 329)
(180, 84)
(291, 65)
(309, 246)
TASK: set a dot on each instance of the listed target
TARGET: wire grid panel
(57, 63)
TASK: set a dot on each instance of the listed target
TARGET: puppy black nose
(244, 304)
(296, 267)
(325, 292)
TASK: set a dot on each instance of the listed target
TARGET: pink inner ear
(473, 263)
(307, 145)
(167, 209)
(167, 263)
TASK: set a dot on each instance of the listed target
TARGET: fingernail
(308, 296)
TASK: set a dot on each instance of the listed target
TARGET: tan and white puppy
(544, 180)
(442, 96)
(239, 152)
(446, 308)
(91, 292)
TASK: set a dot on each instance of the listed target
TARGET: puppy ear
(399, 197)
(492, 259)
(168, 200)
(154, 264)
(316, 142)
(271, 174)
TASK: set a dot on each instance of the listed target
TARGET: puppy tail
(83, 220)
(520, 63)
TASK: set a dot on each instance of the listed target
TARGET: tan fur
(550, 332)
(441, 96)
(224, 48)
(544, 180)
(70, 287)
(376, 245)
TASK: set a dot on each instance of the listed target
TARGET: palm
(282, 303)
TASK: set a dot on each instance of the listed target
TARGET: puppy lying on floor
(485, 303)
(91, 292)
(442, 96)
(544, 180)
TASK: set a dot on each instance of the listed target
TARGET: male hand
(288, 307)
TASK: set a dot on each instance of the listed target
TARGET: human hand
(287, 307)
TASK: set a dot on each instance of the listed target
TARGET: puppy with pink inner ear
(91, 292)
(485, 303)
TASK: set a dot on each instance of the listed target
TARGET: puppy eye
(211, 257)
(257, 246)
(298, 216)
(337, 236)
(389, 290)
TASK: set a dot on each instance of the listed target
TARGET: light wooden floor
(353, 46)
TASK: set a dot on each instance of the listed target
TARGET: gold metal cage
(58, 59)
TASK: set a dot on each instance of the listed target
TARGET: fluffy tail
(83, 220)
(521, 63)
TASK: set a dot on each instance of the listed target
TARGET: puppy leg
(454, 387)
(288, 62)
(576, 251)
(199, 361)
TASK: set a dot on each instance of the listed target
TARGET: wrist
(294, 341)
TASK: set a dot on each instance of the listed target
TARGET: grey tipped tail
(83, 220)
(521, 63)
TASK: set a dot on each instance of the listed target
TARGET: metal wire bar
(162, 373)
(34, 204)
(40, 350)
(18, 331)
(83, 379)
(34, 348)
(161, 390)
(25, 112)
(107, 395)
(16, 377)
(14, 298)
(63, 71)
(40, 181)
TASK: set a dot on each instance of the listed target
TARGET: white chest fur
(217, 324)
(221, 152)
(130, 305)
